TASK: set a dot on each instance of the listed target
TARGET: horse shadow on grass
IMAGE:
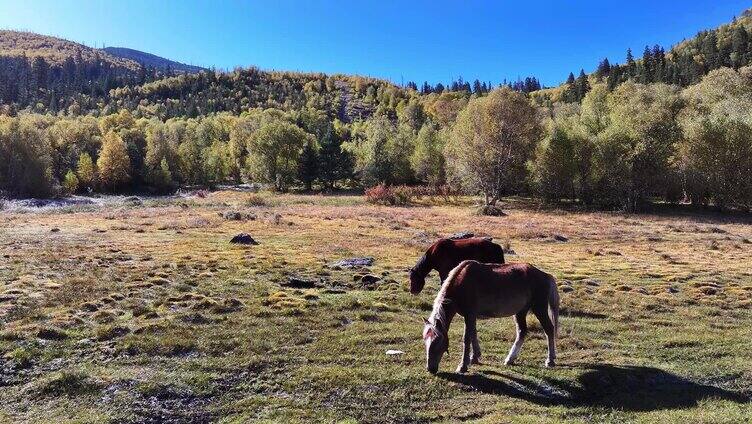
(628, 388)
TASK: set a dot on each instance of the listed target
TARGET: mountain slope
(57, 50)
(684, 64)
(152, 61)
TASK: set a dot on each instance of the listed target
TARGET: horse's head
(418, 274)
(417, 281)
(437, 343)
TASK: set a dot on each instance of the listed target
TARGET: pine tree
(40, 68)
(647, 66)
(739, 44)
(582, 86)
(570, 91)
(631, 65)
(477, 88)
(614, 77)
(709, 50)
(659, 64)
(308, 166)
(334, 164)
(604, 67)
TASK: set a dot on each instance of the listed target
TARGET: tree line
(620, 148)
(73, 87)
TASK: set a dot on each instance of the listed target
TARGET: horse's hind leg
(550, 330)
(521, 320)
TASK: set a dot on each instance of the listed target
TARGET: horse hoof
(509, 362)
(550, 364)
(461, 369)
(476, 362)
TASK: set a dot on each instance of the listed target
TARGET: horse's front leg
(467, 343)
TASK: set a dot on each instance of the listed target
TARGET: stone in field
(353, 262)
(243, 238)
(299, 283)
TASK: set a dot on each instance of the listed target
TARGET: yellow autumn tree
(114, 164)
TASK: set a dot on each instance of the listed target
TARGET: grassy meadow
(135, 312)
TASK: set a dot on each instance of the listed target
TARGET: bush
(255, 199)
(380, 194)
(383, 194)
(402, 195)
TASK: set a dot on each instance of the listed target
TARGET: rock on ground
(353, 262)
(243, 238)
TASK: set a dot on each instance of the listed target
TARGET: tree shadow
(628, 388)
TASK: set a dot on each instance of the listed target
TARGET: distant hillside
(728, 45)
(152, 61)
(56, 50)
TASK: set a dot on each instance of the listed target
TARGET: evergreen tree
(646, 73)
(739, 45)
(709, 50)
(308, 166)
(334, 164)
(614, 77)
(604, 68)
(631, 65)
(477, 88)
(570, 89)
(582, 86)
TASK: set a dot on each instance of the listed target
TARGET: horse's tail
(553, 304)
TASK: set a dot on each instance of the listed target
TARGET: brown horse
(475, 291)
(446, 254)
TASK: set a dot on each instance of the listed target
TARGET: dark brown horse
(476, 290)
(446, 254)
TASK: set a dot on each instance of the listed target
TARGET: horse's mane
(422, 267)
(438, 314)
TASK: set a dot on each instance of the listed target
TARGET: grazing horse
(446, 254)
(476, 290)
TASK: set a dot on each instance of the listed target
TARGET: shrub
(383, 194)
(255, 199)
(402, 195)
(380, 195)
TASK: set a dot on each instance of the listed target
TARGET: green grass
(136, 313)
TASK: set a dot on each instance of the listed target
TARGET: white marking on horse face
(428, 332)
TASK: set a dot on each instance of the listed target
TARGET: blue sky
(423, 40)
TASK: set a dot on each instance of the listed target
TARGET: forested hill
(57, 51)
(729, 45)
(152, 61)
